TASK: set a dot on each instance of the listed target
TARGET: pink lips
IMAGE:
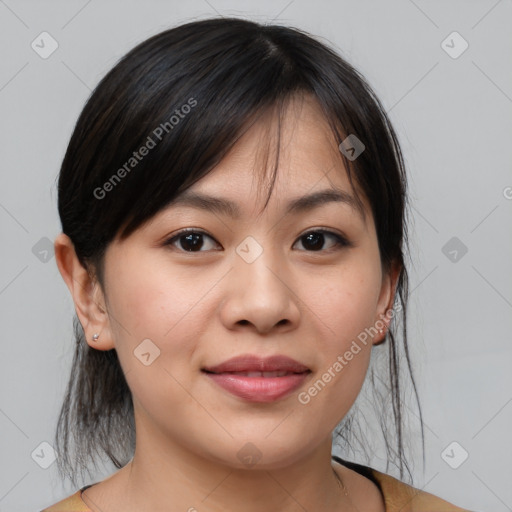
(259, 379)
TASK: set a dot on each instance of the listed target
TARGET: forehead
(309, 171)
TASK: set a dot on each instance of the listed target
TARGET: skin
(204, 307)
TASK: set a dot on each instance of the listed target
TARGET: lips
(256, 379)
(249, 363)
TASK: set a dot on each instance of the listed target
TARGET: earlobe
(86, 294)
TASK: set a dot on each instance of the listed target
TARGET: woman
(227, 313)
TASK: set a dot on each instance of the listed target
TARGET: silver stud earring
(95, 337)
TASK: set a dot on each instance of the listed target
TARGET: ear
(86, 293)
(386, 301)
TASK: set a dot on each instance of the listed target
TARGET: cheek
(147, 302)
(151, 296)
(343, 306)
(171, 311)
(345, 301)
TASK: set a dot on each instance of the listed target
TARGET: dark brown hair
(193, 90)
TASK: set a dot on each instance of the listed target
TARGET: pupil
(192, 241)
(315, 241)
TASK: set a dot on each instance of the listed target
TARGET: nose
(261, 296)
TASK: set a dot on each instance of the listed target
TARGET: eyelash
(340, 241)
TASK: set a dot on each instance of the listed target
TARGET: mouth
(257, 379)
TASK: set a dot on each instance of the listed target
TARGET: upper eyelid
(201, 231)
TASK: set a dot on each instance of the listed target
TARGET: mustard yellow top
(398, 496)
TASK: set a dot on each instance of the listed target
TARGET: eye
(190, 240)
(314, 241)
(193, 240)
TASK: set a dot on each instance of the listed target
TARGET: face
(303, 283)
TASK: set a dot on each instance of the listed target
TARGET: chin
(261, 452)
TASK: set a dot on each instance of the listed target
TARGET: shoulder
(399, 496)
(73, 503)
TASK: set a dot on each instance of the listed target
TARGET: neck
(157, 479)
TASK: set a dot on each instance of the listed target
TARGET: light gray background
(453, 117)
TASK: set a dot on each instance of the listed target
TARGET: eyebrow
(298, 205)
